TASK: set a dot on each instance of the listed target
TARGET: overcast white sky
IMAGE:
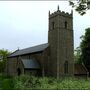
(25, 23)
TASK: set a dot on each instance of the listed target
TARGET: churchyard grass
(25, 82)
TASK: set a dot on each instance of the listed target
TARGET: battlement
(62, 13)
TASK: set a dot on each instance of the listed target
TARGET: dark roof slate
(30, 64)
(79, 69)
(29, 50)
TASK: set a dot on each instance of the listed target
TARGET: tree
(3, 59)
(77, 54)
(85, 48)
(81, 6)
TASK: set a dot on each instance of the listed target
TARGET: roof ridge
(28, 50)
(14, 52)
(33, 46)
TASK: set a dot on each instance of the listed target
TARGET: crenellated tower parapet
(61, 13)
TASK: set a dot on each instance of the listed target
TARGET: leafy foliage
(85, 48)
(3, 59)
(81, 6)
(25, 82)
(7, 84)
(77, 54)
(82, 53)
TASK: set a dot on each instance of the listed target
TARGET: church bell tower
(60, 39)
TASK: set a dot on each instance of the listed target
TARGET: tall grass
(25, 82)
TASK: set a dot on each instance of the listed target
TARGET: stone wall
(11, 66)
(15, 62)
(60, 39)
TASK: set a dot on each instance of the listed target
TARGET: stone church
(55, 58)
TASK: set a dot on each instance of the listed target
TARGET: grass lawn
(25, 82)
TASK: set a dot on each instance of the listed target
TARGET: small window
(53, 25)
(65, 24)
(66, 67)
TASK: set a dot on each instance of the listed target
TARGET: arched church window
(66, 67)
(65, 24)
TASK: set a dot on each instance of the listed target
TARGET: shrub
(19, 86)
(26, 82)
(7, 84)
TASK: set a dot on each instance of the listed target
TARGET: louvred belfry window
(66, 67)
(53, 25)
(66, 24)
